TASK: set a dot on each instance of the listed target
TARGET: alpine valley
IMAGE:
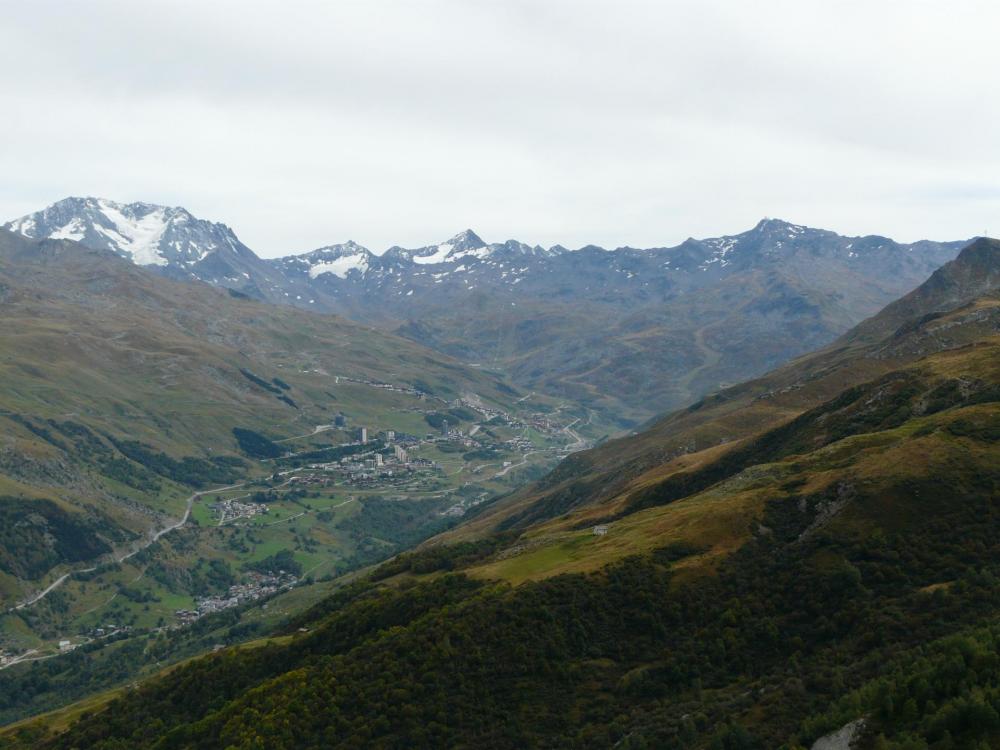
(173, 451)
(348, 500)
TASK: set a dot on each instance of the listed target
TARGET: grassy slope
(721, 517)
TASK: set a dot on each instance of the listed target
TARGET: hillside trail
(146, 543)
(710, 359)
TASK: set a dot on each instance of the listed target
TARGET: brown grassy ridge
(719, 519)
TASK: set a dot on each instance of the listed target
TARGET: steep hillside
(831, 568)
(947, 311)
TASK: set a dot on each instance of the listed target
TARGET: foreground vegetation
(854, 593)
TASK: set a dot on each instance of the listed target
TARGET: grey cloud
(555, 121)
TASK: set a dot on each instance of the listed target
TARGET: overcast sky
(402, 122)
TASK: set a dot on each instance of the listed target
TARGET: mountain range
(806, 559)
(628, 332)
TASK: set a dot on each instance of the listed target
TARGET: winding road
(578, 443)
(148, 542)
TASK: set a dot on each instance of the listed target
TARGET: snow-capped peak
(465, 244)
(338, 260)
(433, 254)
(145, 233)
(775, 227)
(334, 251)
(466, 240)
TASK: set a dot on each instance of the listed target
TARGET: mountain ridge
(70, 216)
(628, 332)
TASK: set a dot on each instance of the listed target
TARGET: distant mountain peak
(467, 238)
(977, 265)
(975, 271)
(515, 247)
(464, 244)
(344, 248)
(336, 260)
(769, 222)
(771, 228)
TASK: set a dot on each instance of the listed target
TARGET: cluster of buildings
(399, 456)
(394, 460)
(380, 466)
(520, 443)
(536, 420)
(314, 480)
(257, 586)
(109, 630)
(457, 436)
(388, 436)
(227, 510)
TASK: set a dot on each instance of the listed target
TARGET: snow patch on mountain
(25, 226)
(341, 266)
(333, 260)
(475, 252)
(721, 247)
(439, 255)
(72, 231)
(464, 245)
(136, 233)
